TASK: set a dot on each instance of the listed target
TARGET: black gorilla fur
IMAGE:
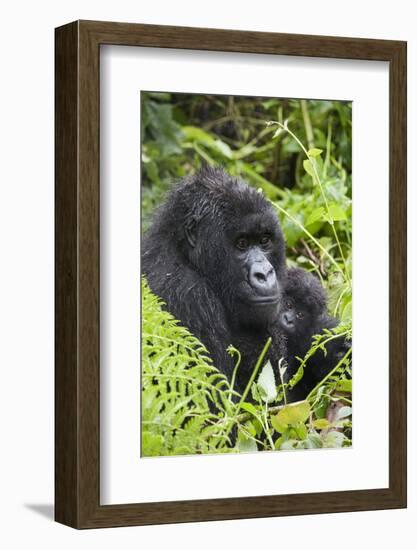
(215, 254)
(303, 314)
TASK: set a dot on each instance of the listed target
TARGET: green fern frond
(180, 386)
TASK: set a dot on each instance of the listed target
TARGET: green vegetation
(298, 152)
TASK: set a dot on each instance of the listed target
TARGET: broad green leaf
(308, 167)
(316, 215)
(314, 152)
(278, 443)
(291, 415)
(276, 425)
(344, 386)
(321, 424)
(292, 232)
(301, 430)
(248, 407)
(336, 212)
(266, 383)
(250, 428)
(321, 408)
(257, 425)
(343, 412)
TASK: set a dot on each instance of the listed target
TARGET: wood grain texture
(66, 237)
(77, 167)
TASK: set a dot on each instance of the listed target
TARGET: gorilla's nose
(262, 277)
(288, 319)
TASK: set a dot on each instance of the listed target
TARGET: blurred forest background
(298, 152)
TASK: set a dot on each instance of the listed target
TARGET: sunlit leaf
(314, 152)
(321, 424)
(248, 407)
(343, 412)
(266, 383)
(336, 212)
(317, 214)
(344, 386)
(308, 167)
(291, 415)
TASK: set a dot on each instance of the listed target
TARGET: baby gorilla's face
(294, 317)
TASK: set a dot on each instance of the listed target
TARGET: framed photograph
(230, 233)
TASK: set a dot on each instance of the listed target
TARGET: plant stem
(339, 300)
(310, 236)
(230, 421)
(254, 372)
(307, 123)
(232, 383)
(266, 428)
(328, 145)
(284, 391)
(317, 180)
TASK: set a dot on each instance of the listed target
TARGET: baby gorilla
(303, 314)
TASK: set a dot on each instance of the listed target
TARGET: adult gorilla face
(254, 241)
(237, 244)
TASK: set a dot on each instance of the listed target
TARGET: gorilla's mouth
(248, 295)
(264, 300)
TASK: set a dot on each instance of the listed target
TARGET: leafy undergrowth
(298, 153)
(189, 407)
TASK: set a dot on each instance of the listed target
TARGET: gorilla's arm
(193, 302)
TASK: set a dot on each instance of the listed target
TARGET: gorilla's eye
(288, 304)
(265, 239)
(300, 315)
(242, 243)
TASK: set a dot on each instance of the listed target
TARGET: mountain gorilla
(303, 314)
(215, 254)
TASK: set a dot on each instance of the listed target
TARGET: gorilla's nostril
(260, 277)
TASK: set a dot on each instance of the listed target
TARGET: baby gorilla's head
(303, 304)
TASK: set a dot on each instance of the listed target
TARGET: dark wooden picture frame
(77, 371)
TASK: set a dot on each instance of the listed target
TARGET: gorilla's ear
(190, 230)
